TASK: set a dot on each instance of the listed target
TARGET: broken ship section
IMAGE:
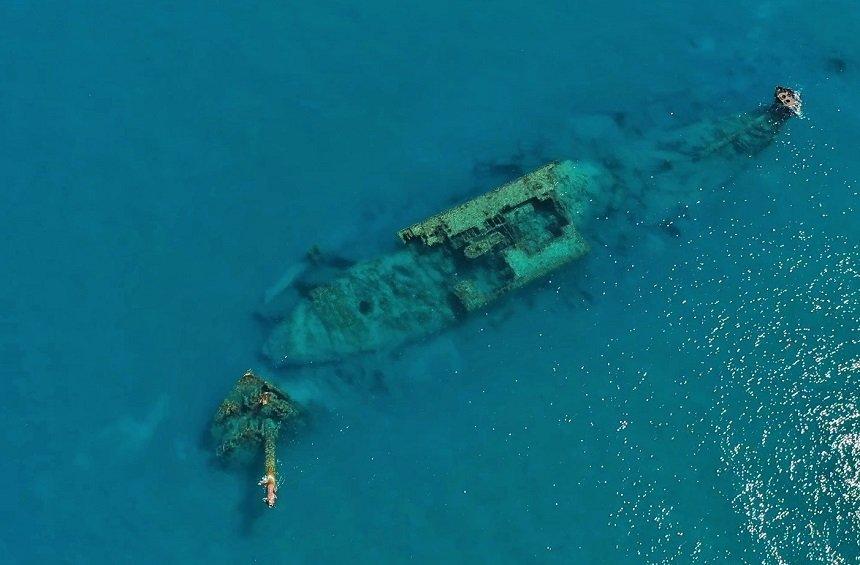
(453, 263)
(252, 415)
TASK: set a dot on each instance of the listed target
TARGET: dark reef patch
(836, 65)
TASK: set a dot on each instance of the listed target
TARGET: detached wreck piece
(465, 258)
(746, 135)
(672, 168)
(253, 414)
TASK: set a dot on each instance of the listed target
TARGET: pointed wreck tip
(788, 99)
(270, 486)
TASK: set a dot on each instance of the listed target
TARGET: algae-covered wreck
(465, 258)
(452, 263)
(253, 416)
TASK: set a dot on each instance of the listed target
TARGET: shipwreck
(465, 258)
(251, 417)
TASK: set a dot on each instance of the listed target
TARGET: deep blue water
(690, 399)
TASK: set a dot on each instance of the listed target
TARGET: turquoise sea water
(688, 397)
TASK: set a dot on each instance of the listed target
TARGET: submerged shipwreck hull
(465, 258)
(452, 263)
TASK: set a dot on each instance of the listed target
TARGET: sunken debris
(253, 415)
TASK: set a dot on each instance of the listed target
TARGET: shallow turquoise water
(689, 398)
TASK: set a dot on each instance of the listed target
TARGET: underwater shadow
(249, 511)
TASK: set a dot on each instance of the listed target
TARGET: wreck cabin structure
(505, 238)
